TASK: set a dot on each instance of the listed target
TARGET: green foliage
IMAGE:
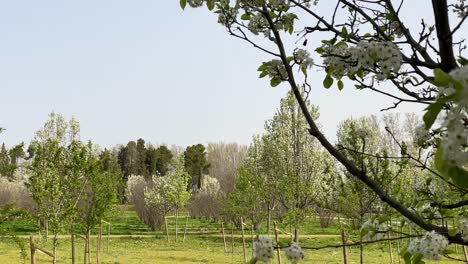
(453, 173)
(99, 191)
(328, 81)
(196, 164)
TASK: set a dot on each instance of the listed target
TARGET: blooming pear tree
(370, 44)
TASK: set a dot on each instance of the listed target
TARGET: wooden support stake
(243, 240)
(343, 239)
(224, 236)
(465, 254)
(73, 248)
(167, 229)
(33, 250)
(176, 218)
(232, 240)
(252, 236)
(185, 228)
(108, 236)
(276, 239)
(390, 250)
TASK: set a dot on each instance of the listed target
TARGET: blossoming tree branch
(368, 43)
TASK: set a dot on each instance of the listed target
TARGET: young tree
(100, 192)
(369, 43)
(59, 172)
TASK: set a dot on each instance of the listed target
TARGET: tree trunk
(185, 228)
(176, 220)
(276, 239)
(361, 251)
(243, 241)
(88, 238)
(54, 259)
(167, 229)
(269, 220)
(46, 225)
(73, 247)
(108, 237)
(224, 236)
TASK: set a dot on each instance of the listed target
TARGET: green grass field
(131, 242)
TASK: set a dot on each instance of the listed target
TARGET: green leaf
(252, 261)
(441, 78)
(210, 4)
(275, 82)
(328, 81)
(245, 16)
(263, 74)
(262, 67)
(344, 33)
(432, 111)
(452, 231)
(406, 256)
(183, 4)
(319, 50)
(459, 176)
(340, 85)
(391, 17)
(463, 61)
(417, 258)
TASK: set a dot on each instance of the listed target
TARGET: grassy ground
(132, 242)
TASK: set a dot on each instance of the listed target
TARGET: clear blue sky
(129, 69)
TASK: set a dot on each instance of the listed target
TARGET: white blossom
(431, 245)
(375, 230)
(463, 227)
(455, 139)
(294, 253)
(263, 249)
(302, 57)
(382, 57)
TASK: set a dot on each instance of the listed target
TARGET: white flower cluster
(455, 141)
(431, 245)
(375, 230)
(228, 16)
(463, 227)
(258, 24)
(276, 69)
(426, 210)
(294, 253)
(263, 249)
(339, 61)
(381, 57)
(302, 57)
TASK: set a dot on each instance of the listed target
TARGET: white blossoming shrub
(210, 185)
(431, 245)
(294, 253)
(372, 229)
(263, 249)
(132, 182)
(463, 228)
